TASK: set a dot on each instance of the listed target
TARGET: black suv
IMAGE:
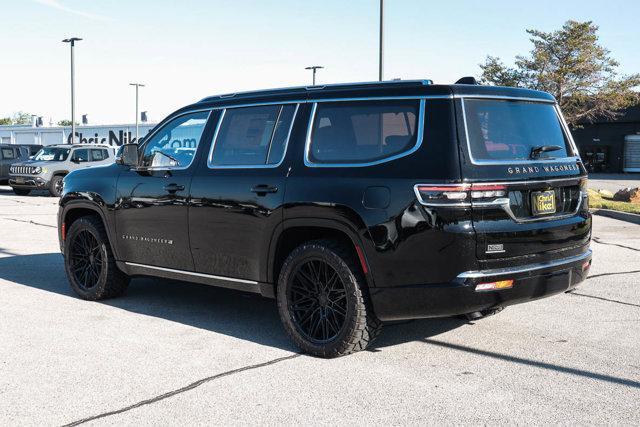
(350, 204)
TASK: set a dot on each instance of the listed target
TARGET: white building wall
(112, 135)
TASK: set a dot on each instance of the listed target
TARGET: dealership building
(611, 145)
(112, 135)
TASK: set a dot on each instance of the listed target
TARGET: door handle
(172, 188)
(263, 189)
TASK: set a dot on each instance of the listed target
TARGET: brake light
(493, 286)
(63, 231)
(459, 194)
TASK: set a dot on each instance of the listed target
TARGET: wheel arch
(73, 210)
(293, 232)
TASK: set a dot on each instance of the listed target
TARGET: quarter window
(252, 136)
(7, 153)
(98, 155)
(176, 143)
(359, 132)
(80, 156)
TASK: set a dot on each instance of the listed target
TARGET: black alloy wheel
(86, 257)
(317, 301)
(89, 262)
(323, 300)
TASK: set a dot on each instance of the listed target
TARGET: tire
(89, 263)
(21, 191)
(326, 320)
(55, 186)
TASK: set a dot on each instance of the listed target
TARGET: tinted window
(252, 136)
(98, 154)
(507, 130)
(176, 143)
(361, 132)
(7, 153)
(52, 154)
(80, 156)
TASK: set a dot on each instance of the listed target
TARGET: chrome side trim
(570, 159)
(419, 138)
(210, 164)
(523, 269)
(193, 273)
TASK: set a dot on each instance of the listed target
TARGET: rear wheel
(55, 186)
(21, 191)
(89, 262)
(323, 302)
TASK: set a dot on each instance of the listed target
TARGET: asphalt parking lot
(174, 353)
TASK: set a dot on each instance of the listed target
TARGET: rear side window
(99, 155)
(252, 136)
(80, 156)
(7, 153)
(513, 130)
(363, 132)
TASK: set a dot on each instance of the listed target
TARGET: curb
(622, 216)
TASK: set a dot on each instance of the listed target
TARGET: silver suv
(49, 166)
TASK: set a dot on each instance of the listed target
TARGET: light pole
(138, 86)
(314, 68)
(381, 49)
(72, 41)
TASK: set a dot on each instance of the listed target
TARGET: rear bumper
(531, 282)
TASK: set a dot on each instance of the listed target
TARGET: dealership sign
(106, 136)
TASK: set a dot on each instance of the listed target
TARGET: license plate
(543, 202)
(20, 180)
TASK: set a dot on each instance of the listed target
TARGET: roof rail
(317, 87)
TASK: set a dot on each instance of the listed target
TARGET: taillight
(63, 231)
(459, 194)
(443, 194)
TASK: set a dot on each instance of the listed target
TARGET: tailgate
(518, 225)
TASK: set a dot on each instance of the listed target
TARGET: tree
(5, 121)
(22, 118)
(571, 65)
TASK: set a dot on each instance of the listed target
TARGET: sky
(186, 50)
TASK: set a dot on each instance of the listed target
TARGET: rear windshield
(513, 130)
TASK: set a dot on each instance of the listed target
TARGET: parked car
(9, 154)
(350, 204)
(47, 168)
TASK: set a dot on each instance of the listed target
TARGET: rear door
(238, 191)
(528, 185)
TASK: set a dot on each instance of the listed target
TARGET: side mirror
(127, 155)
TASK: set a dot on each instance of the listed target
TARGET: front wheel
(55, 186)
(322, 300)
(89, 263)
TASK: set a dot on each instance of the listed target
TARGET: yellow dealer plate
(543, 202)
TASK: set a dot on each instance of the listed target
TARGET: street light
(137, 85)
(314, 68)
(381, 49)
(72, 41)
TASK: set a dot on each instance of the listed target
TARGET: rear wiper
(536, 151)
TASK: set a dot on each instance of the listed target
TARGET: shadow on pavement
(241, 315)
